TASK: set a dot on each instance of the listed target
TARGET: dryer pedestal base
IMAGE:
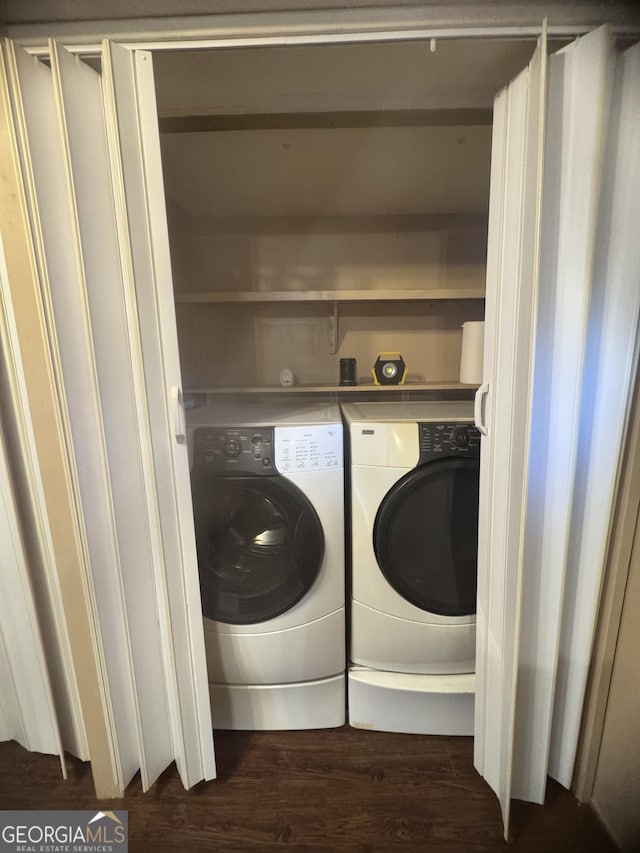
(411, 704)
(380, 641)
(274, 707)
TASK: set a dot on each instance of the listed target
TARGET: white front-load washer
(267, 484)
(414, 485)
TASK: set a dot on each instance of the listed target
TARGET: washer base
(277, 707)
(310, 651)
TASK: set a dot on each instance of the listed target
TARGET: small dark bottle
(348, 371)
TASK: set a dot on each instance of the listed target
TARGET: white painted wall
(616, 792)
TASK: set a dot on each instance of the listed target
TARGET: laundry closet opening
(328, 202)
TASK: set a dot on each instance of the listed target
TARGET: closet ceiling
(384, 76)
(461, 11)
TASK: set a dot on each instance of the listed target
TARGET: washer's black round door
(426, 536)
(260, 546)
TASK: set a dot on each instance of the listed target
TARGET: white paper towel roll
(472, 352)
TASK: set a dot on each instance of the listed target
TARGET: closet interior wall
(328, 202)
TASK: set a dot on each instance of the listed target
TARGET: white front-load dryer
(414, 485)
(267, 487)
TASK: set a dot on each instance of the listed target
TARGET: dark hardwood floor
(330, 790)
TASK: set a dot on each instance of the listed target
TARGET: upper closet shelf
(333, 295)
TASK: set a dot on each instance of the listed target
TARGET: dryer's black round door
(426, 536)
(260, 546)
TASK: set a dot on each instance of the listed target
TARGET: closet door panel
(30, 498)
(503, 406)
(39, 443)
(27, 712)
(121, 392)
(130, 98)
(610, 363)
(64, 292)
(579, 89)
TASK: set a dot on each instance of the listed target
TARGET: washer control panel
(245, 450)
(438, 440)
(308, 448)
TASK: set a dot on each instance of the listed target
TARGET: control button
(266, 462)
(257, 439)
(231, 448)
(460, 437)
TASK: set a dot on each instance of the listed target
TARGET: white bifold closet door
(559, 368)
(580, 78)
(77, 158)
(610, 365)
(133, 127)
(31, 432)
(503, 411)
(27, 712)
(27, 708)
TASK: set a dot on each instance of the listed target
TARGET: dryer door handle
(177, 414)
(478, 407)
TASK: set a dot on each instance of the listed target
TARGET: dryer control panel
(229, 450)
(439, 440)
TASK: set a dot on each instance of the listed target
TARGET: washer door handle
(177, 410)
(478, 408)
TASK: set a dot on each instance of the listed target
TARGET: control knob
(231, 447)
(460, 437)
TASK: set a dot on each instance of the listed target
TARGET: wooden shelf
(363, 388)
(316, 120)
(327, 225)
(433, 294)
